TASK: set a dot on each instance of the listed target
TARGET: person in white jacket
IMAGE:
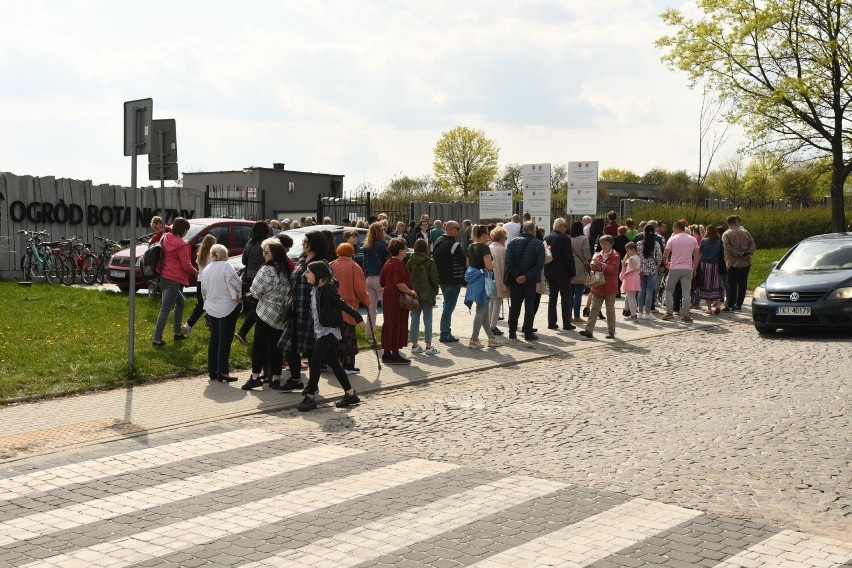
(222, 292)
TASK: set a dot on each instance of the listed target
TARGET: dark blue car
(810, 288)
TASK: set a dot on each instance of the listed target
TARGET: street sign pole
(137, 140)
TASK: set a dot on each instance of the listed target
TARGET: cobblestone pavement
(225, 495)
(718, 419)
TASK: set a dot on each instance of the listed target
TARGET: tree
(465, 160)
(512, 178)
(617, 175)
(784, 66)
(655, 175)
(559, 178)
(760, 174)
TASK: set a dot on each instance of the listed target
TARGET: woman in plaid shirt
(650, 257)
(270, 288)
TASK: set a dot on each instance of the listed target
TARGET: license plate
(793, 311)
(117, 274)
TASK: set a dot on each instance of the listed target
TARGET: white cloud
(358, 88)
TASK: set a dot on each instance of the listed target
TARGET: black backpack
(152, 260)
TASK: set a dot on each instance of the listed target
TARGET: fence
(68, 207)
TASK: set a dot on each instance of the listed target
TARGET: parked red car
(233, 233)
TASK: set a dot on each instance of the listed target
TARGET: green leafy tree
(465, 160)
(617, 175)
(785, 68)
(759, 182)
(655, 175)
(559, 178)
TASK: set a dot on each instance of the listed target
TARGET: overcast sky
(362, 89)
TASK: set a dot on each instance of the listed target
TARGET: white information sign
(495, 204)
(582, 188)
(536, 176)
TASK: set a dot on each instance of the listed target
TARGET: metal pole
(131, 335)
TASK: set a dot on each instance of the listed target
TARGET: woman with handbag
(582, 255)
(606, 263)
(327, 308)
(479, 267)
(270, 288)
(395, 281)
(352, 286)
(424, 281)
(252, 260)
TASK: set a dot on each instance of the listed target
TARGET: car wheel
(765, 329)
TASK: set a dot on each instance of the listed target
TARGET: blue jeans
(451, 296)
(648, 283)
(172, 298)
(219, 346)
(577, 298)
(414, 329)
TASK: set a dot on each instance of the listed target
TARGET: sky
(358, 88)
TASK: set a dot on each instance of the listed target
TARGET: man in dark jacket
(450, 261)
(559, 273)
(524, 260)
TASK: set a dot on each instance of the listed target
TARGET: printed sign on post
(495, 204)
(582, 188)
(536, 184)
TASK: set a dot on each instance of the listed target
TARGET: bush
(769, 228)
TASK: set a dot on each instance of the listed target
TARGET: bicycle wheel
(27, 267)
(53, 269)
(88, 269)
(100, 271)
(69, 268)
(154, 291)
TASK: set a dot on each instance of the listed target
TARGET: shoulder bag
(409, 303)
(595, 278)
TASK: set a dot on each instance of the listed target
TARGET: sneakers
(397, 359)
(496, 331)
(495, 342)
(274, 385)
(448, 339)
(430, 351)
(650, 316)
(685, 318)
(186, 330)
(417, 349)
(158, 343)
(307, 404)
(667, 316)
(631, 318)
(352, 370)
(180, 337)
(291, 385)
(347, 400)
(240, 337)
(475, 344)
(252, 384)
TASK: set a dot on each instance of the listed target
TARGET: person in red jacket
(608, 262)
(174, 275)
(159, 227)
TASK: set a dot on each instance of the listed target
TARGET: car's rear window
(819, 255)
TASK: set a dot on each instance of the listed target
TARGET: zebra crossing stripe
(168, 539)
(789, 549)
(78, 514)
(410, 527)
(61, 476)
(594, 538)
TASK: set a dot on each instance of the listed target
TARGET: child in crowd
(630, 284)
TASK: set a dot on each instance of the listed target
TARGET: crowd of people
(310, 307)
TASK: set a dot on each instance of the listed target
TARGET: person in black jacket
(559, 273)
(252, 261)
(451, 263)
(524, 261)
(326, 308)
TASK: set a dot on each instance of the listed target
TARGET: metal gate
(235, 207)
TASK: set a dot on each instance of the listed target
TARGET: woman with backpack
(174, 275)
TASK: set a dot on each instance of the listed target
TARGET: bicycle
(78, 260)
(108, 249)
(39, 260)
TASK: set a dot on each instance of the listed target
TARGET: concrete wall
(69, 207)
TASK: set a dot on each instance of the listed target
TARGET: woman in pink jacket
(608, 262)
(174, 275)
(352, 286)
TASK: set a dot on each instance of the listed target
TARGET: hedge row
(769, 228)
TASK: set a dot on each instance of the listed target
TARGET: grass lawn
(762, 263)
(56, 339)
